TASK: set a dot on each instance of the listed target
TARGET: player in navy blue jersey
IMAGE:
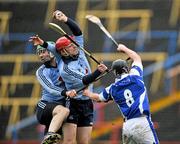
(51, 110)
(75, 71)
(130, 94)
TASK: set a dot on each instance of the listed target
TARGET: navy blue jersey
(129, 93)
(52, 84)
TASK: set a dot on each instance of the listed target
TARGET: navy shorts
(44, 111)
(81, 112)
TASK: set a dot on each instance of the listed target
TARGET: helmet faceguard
(119, 67)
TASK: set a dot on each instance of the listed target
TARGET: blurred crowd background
(150, 27)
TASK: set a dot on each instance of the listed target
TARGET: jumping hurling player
(75, 72)
(50, 110)
(129, 93)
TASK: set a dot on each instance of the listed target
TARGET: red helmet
(62, 42)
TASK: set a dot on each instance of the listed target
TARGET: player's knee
(60, 110)
(66, 111)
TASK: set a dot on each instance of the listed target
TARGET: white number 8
(128, 97)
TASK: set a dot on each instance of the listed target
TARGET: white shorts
(139, 131)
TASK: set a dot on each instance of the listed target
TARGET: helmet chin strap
(51, 55)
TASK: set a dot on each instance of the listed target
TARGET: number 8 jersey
(129, 93)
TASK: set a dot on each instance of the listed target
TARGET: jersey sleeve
(74, 27)
(137, 69)
(43, 76)
(105, 94)
(80, 41)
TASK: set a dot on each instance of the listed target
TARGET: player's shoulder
(114, 86)
(42, 67)
(136, 69)
(41, 70)
(137, 65)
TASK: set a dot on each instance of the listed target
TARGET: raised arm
(36, 40)
(132, 54)
(60, 16)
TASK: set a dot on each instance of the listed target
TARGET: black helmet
(119, 66)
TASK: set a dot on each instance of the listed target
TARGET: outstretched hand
(59, 15)
(36, 40)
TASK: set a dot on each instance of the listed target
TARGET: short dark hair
(119, 66)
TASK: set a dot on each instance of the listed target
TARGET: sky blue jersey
(73, 71)
(51, 82)
(129, 93)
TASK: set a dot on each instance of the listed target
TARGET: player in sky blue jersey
(130, 94)
(76, 73)
(51, 110)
